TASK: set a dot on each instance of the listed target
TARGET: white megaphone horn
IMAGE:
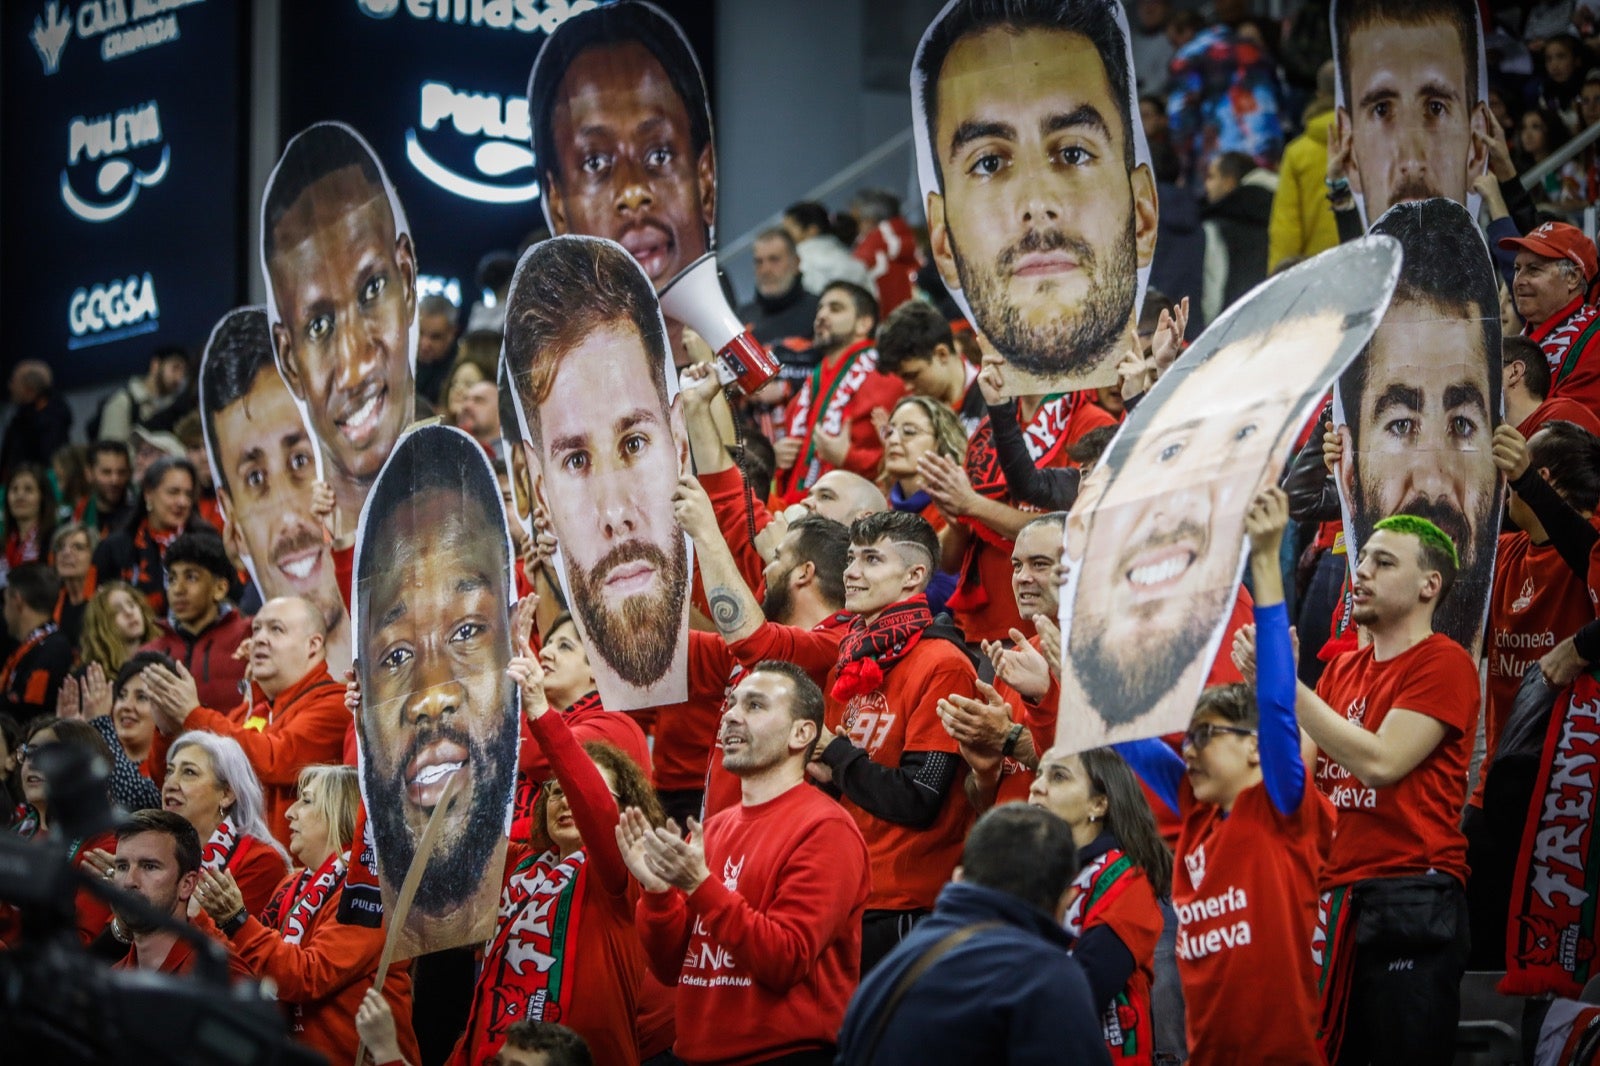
(695, 298)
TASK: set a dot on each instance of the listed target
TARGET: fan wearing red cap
(1555, 266)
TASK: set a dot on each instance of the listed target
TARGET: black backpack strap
(940, 948)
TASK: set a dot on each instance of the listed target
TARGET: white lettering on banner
(124, 26)
(1557, 859)
(502, 127)
(110, 138)
(522, 16)
(1195, 944)
(99, 314)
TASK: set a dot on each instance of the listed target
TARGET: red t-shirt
(1536, 602)
(1245, 889)
(909, 865)
(686, 732)
(766, 953)
(1412, 827)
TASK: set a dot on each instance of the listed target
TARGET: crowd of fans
(857, 837)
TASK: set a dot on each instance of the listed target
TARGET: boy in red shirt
(765, 954)
(1395, 723)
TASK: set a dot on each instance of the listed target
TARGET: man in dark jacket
(41, 422)
(782, 309)
(1237, 213)
(997, 984)
(203, 629)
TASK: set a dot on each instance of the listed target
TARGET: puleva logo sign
(523, 16)
(108, 147)
(502, 162)
(123, 26)
(100, 314)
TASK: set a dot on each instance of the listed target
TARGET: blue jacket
(1006, 995)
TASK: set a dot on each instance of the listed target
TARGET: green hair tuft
(1423, 530)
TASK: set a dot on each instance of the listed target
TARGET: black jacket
(777, 318)
(1010, 994)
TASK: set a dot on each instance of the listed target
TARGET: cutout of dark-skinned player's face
(1039, 224)
(626, 168)
(435, 639)
(344, 282)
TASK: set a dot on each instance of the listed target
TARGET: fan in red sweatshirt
(759, 922)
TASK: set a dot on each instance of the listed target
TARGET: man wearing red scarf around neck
(883, 751)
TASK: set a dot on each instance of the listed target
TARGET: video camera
(59, 1004)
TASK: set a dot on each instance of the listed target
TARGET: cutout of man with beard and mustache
(1155, 541)
(1416, 411)
(1041, 201)
(1412, 104)
(432, 618)
(263, 462)
(603, 435)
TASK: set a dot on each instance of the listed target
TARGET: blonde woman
(916, 427)
(117, 622)
(321, 966)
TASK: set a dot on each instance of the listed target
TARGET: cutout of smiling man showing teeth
(263, 462)
(622, 134)
(1155, 540)
(342, 295)
(433, 587)
(1041, 201)
(605, 443)
(1416, 411)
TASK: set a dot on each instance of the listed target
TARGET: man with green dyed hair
(1394, 722)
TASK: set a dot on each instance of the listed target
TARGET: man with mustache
(433, 571)
(1420, 404)
(586, 349)
(622, 134)
(264, 466)
(1040, 212)
(342, 295)
(1410, 115)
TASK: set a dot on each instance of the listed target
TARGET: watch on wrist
(1011, 741)
(236, 923)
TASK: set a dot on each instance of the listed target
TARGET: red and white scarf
(530, 961)
(218, 849)
(1551, 942)
(821, 408)
(297, 903)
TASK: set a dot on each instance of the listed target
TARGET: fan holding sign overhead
(1155, 542)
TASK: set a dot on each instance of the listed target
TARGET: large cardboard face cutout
(1040, 198)
(1412, 99)
(622, 136)
(263, 463)
(433, 626)
(341, 277)
(604, 442)
(1416, 411)
(1155, 542)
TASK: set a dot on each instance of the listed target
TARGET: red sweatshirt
(305, 725)
(208, 655)
(322, 979)
(766, 953)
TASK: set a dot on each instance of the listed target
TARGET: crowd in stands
(857, 840)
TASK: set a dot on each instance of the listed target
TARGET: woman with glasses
(1124, 871)
(921, 426)
(1255, 830)
(571, 871)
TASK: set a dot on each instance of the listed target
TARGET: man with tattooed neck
(883, 751)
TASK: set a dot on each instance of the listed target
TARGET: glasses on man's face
(1199, 736)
